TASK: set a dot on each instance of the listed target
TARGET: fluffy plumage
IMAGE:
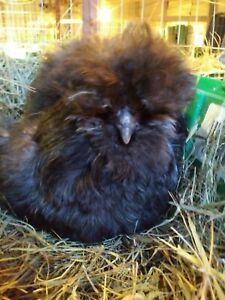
(99, 146)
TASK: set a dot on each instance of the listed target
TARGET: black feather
(65, 165)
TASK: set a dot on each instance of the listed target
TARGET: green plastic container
(208, 91)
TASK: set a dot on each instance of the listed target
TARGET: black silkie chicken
(99, 146)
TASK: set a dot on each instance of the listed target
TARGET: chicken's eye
(103, 111)
(106, 107)
(106, 112)
(145, 103)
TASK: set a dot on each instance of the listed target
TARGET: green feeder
(208, 91)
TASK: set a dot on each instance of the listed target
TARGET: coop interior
(182, 258)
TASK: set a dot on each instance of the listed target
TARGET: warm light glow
(70, 21)
(104, 14)
(21, 51)
(14, 51)
(199, 34)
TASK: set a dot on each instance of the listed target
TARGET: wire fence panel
(186, 23)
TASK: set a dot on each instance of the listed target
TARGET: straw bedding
(183, 258)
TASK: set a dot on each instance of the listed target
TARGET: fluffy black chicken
(99, 146)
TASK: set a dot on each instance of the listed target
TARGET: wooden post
(57, 19)
(164, 8)
(89, 11)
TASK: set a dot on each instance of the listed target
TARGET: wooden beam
(164, 8)
(89, 12)
(57, 19)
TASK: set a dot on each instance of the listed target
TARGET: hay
(15, 78)
(206, 62)
(184, 258)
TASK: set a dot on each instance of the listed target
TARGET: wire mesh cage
(182, 22)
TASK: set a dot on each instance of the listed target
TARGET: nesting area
(183, 258)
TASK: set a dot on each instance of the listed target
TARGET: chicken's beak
(126, 125)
